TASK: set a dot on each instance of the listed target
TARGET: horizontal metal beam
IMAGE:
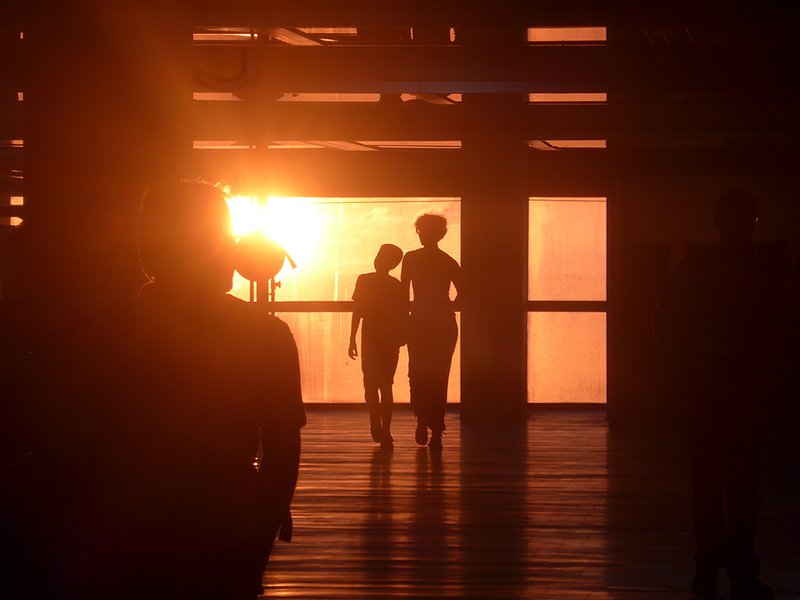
(12, 123)
(396, 13)
(414, 173)
(12, 73)
(567, 306)
(11, 186)
(396, 69)
(255, 123)
(498, 13)
(571, 306)
(8, 210)
(265, 69)
(11, 159)
(395, 173)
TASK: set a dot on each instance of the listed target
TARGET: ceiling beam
(256, 123)
(398, 173)
(450, 13)
(494, 69)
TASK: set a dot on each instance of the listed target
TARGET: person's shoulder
(364, 283)
(449, 259)
(254, 315)
(412, 255)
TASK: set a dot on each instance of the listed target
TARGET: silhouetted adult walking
(433, 332)
(379, 301)
(719, 319)
(186, 514)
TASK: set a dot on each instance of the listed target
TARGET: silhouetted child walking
(380, 302)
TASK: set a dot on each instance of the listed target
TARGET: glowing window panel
(215, 96)
(566, 357)
(364, 97)
(567, 249)
(568, 98)
(328, 375)
(348, 31)
(218, 145)
(548, 145)
(334, 240)
(225, 36)
(329, 97)
(561, 35)
(419, 144)
(16, 201)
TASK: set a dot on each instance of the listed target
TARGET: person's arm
(280, 443)
(458, 284)
(405, 278)
(358, 314)
(352, 350)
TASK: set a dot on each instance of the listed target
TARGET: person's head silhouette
(431, 228)
(388, 257)
(185, 237)
(735, 216)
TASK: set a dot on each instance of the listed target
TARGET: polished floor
(558, 509)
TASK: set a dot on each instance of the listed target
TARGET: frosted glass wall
(567, 262)
(333, 240)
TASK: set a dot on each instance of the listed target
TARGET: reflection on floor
(558, 509)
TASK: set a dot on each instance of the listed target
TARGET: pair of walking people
(429, 330)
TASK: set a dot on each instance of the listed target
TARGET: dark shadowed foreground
(559, 509)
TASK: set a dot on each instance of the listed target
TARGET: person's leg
(387, 402)
(709, 506)
(370, 366)
(741, 515)
(387, 395)
(446, 337)
(418, 366)
(373, 405)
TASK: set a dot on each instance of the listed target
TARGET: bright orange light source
(292, 222)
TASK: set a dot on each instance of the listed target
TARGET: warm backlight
(292, 222)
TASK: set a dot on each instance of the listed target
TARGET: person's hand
(352, 351)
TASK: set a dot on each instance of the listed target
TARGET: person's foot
(387, 443)
(436, 441)
(421, 434)
(751, 590)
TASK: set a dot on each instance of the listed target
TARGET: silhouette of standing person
(187, 514)
(433, 331)
(380, 303)
(719, 321)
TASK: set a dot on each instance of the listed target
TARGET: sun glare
(292, 222)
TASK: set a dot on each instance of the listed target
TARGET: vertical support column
(618, 396)
(107, 107)
(494, 225)
(637, 271)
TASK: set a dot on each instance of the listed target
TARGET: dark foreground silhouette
(380, 303)
(719, 319)
(433, 331)
(146, 486)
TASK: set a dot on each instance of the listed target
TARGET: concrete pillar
(494, 222)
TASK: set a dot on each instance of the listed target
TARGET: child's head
(388, 257)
